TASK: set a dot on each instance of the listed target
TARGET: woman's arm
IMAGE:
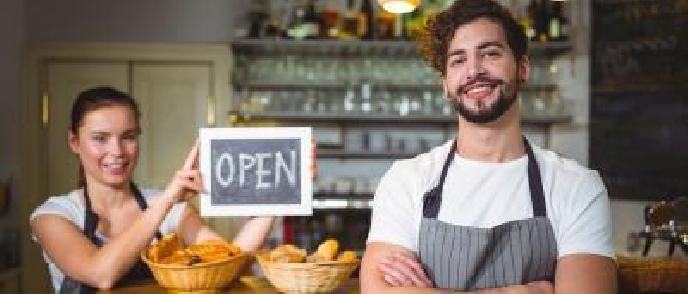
(80, 259)
(250, 238)
(102, 267)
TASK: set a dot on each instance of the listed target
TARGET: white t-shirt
(481, 194)
(71, 207)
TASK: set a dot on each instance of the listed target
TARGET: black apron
(138, 272)
(470, 258)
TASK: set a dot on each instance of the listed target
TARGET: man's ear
(524, 69)
(73, 141)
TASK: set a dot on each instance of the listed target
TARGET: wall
(12, 32)
(206, 21)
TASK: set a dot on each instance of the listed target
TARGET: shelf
(315, 85)
(293, 116)
(357, 48)
(363, 154)
(339, 195)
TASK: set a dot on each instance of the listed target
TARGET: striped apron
(470, 258)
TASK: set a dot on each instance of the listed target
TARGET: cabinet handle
(45, 108)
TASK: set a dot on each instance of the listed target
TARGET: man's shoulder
(426, 163)
(562, 166)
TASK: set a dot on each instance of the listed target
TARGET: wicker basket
(319, 277)
(199, 278)
(656, 274)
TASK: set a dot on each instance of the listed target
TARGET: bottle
(312, 23)
(542, 20)
(330, 18)
(354, 21)
(554, 25)
(367, 15)
(413, 22)
(385, 24)
(295, 29)
(558, 16)
(525, 17)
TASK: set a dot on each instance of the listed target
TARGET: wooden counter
(245, 284)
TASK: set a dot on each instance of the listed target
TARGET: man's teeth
(479, 89)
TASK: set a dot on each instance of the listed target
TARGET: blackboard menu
(639, 100)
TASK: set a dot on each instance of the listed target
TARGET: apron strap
(537, 194)
(432, 200)
(143, 205)
(91, 219)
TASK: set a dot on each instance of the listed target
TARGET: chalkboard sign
(639, 101)
(256, 171)
(639, 43)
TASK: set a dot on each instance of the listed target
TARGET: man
(487, 212)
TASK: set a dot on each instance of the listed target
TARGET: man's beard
(485, 113)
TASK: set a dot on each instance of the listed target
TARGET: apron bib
(138, 272)
(470, 258)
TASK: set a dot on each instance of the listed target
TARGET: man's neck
(500, 141)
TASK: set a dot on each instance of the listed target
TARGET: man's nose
(475, 68)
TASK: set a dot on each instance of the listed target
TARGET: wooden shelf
(342, 48)
(293, 116)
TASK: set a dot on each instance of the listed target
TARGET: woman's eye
(132, 137)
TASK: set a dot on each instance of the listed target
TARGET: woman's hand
(403, 270)
(186, 182)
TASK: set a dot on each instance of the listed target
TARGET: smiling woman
(108, 220)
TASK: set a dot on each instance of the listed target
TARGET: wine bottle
(368, 19)
(312, 23)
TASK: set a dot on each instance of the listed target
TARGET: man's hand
(402, 269)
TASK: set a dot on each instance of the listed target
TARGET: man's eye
(492, 53)
(456, 62)
(99, 138)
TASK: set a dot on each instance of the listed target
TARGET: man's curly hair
(435, 36)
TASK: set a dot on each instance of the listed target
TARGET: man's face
(482, 76)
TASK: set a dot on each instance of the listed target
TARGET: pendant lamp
(399, 6)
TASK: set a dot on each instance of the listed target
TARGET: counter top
(245, 284)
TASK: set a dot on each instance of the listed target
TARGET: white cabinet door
(64, 81)
(173, 100)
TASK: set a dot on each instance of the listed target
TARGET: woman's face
(107, 145)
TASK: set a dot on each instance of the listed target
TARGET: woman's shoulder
(67, 205)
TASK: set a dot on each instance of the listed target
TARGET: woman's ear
(73, 141)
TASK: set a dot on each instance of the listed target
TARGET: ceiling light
(399, 6)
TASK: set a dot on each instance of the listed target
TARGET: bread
(164, 248)
(287, 253)
(327, 250)
(347, 256)
(169, 251)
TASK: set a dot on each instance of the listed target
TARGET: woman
(92, 237)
